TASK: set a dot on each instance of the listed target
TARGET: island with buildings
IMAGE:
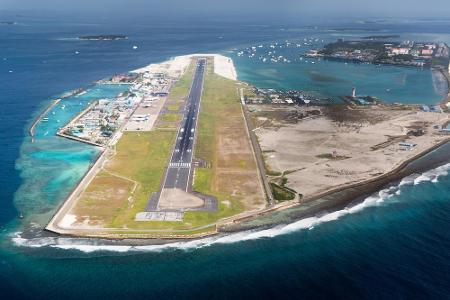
(374, 50)
(190, 151)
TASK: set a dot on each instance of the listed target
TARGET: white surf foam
(87, 246)
(433, 175)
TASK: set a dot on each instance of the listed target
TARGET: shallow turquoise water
(333, 79)
(50, 166)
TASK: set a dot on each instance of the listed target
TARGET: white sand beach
(223, 66)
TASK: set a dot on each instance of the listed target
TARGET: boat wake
(89, 245)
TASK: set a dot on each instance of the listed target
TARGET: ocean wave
(89, 246)
(433, 175)
(86, 246)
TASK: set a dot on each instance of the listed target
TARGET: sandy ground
(178, 199)
(223, 66)
(305, 149)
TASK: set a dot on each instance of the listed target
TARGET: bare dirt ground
(105, 191)
(235, 171)
(236, 166)
(318, 153)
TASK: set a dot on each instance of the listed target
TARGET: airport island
(189, 151)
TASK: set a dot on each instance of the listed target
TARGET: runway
(180, 167)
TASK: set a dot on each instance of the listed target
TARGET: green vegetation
(122, 189)
(173, 107)
(375, 46)
(171, 117)
(330, 156)
(268, 151)
(167, 126)
(182, 86)
(281, 193)
(273, 173)
(135, 171)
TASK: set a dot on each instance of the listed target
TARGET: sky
(293, 8)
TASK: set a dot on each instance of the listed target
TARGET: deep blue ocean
(393, 245)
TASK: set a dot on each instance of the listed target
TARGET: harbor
(49, 107)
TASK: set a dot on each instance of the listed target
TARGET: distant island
(8, 23)
(380, 37)
(108, 37)
(372, 50)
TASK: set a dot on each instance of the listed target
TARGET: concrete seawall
(41, 115)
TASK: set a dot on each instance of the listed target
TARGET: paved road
(179, 170)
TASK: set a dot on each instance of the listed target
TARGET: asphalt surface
(180, 166)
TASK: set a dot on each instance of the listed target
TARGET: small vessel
(44, 119)
(135, 47)
(63, 106)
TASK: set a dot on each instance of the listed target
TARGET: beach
(176, 66)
